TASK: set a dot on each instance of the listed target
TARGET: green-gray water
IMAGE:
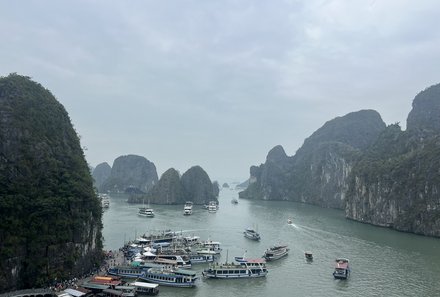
(383, 262)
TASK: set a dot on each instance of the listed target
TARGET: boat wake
(293, 225)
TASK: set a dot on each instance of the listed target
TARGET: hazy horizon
(218, 84)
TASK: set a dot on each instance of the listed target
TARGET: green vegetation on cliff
(50, 216)
(317, 173)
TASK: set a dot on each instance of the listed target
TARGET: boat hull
(168, 283)
(232, 276)
(275, 257)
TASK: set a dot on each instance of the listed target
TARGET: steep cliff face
(131, 171)
(194, 185)
(270, 181)
(198, 186)
(100, 174)
(396, 182)
(169, 189)
(318, 172)
(50, 224)
(424, 119)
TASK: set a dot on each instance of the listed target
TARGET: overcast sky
(219, 83)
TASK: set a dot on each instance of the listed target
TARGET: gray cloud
(219, 83)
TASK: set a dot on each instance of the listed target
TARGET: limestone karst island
(359, 200)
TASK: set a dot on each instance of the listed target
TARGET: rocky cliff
(318, 172)
(396, 182)
(194, 185)
(198, 186)
(100, 174)
(50, 224)
(169, 189)
(131, 171)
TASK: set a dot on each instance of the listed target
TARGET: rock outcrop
(50, 224)
(379, 175)
(169, 189)
(100, 174)
(131, 171)
(198, 186)
(318, 172)
(194, 185)
(396, 182)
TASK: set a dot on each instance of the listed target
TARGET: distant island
(377, 174)
(194, 185)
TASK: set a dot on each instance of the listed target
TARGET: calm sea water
(383, 262)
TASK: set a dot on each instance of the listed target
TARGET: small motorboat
(309, 256)
(342, 269)
(251, 234)
(289, 221)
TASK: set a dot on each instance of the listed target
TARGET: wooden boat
(342, 269)
(276, 252)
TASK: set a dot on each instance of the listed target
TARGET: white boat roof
(74, 292)
(144, 285)
(149, 254)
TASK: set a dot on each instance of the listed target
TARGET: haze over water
(383, 262)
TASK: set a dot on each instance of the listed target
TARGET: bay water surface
(384, 262)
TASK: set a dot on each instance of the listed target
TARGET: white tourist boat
(170, 277)
(251, 234)
(197, 258)
(187, 209)
(145, 288)
(105, 201)
(146, 211)
(276, 252)
(251, 268)
(209, 246)
(212, 206)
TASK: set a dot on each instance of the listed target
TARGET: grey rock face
(198, 186)
(131, 171)
(396, 182)
(424, 117)
(318, 172)
(169, 189)
(100, 174)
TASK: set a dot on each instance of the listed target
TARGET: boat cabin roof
(105, 281)
(165, 261)
(342, 265)
(255, 260)
(185, 272)
(144, 285)
(210, 242)
(95, 286)
(124, 288)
